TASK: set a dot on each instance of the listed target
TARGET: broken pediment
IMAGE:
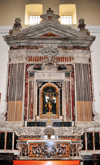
(49, 65)
(34, 67)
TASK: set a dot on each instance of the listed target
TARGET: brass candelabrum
(62, 120)
(35, 120)
(74, 120)
(24, 122)
(74, 116)
(49, 115)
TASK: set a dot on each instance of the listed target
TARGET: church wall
(9, 10)
(3, 66)
(95, 55)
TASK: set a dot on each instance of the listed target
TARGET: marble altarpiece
(49, 89)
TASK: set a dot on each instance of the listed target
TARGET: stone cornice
(33, 36)
(61, 41)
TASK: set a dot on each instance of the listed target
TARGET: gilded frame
(57, 102)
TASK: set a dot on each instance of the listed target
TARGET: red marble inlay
(26, 93)
(25, 47)
(7, 98)
(72, 92)
(90, 77)
(75, 47)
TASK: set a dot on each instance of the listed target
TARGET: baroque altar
(49, 89)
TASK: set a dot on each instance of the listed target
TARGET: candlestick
(49, 115)
(35, 119)
(24, 121)
(62, 120)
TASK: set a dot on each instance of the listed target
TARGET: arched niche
(49, 101)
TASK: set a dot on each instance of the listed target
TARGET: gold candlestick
(24, 121)
(62, 120)
(49, 115)
(35, 119)
(74, 116)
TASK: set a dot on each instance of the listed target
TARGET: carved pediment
(52, 29)
(34, 67)
(55, 32)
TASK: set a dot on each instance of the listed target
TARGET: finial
(49, 16)
(49, 11)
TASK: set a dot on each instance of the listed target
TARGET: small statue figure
(49, 104)
(17, 26)
(82, 27)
